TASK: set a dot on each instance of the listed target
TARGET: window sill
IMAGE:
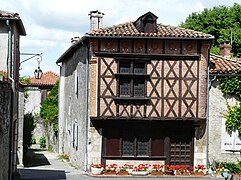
(122, 75)
(136, 157)
(132, 99)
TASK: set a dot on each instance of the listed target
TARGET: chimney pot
(95, 19)
(225, 50)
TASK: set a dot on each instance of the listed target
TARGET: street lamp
(38, 72)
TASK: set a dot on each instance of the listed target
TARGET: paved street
(44, 165)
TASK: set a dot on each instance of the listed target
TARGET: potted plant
(3, 76)
(110, 169)
(129, 168)
(97, 169)
(157, 169)
(122, 170)
(64, 157)
(141, 169)
(169, 170)
(182, 170)
(199, 170)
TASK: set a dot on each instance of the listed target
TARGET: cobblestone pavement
(44, 165)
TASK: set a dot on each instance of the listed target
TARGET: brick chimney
(95, 19)
(225, 50)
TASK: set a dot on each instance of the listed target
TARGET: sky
(50, 24)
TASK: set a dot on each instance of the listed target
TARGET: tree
(49, 108)
(222, 22)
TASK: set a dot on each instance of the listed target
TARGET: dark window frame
(136, 75)
(135, 138)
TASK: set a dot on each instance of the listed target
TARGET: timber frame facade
(150, 94)
(147, 94)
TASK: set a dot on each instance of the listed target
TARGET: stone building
(11, 28)
(134, 92)
(222, 146)
(37, 91)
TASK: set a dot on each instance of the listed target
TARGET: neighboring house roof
(5, 15)
(163, 31)
(48, 78)
(223, 66)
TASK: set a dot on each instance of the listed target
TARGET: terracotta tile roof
(5, 14)
(48, 78)
(163, 31)
(221, 65)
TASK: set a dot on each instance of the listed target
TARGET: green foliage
(232, 86)
(215, 50)
(232, 167)
(49, 109)
(222, 22)
(28, 128)
(33, 141)
(24, 79)
(233, 117)
(42, 142)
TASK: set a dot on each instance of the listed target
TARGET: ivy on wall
(232, 86)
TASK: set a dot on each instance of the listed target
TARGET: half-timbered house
(135, 92)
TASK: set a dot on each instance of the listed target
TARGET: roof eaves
(20, 25)
(70, 50)
(152, 37)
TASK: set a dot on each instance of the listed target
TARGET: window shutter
(112, 142)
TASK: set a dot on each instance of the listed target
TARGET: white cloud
(51, 24)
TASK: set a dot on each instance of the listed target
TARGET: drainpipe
(87, 106)
(9, 71)
(10, 55)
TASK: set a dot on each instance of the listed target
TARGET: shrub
(28, 127)
(42, 142)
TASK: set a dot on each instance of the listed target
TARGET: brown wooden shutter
(112, 142)
(157, 144)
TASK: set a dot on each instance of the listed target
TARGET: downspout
(10, 55)
(60, 67)
(87, 106)
(9, 71)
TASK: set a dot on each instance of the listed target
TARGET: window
(124, 87)
(132, 142)
(132, 79)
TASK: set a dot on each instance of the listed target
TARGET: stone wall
(220, 142)
(73, 120)
(5, 91)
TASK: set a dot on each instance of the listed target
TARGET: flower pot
(139, 173)
(110, 172)
(96, 171)
(123, 173)
(129, 171)
(167, 172)
(186, 174)
(157, 173)
(198, 173)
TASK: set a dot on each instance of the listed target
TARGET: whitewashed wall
(33, 102)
